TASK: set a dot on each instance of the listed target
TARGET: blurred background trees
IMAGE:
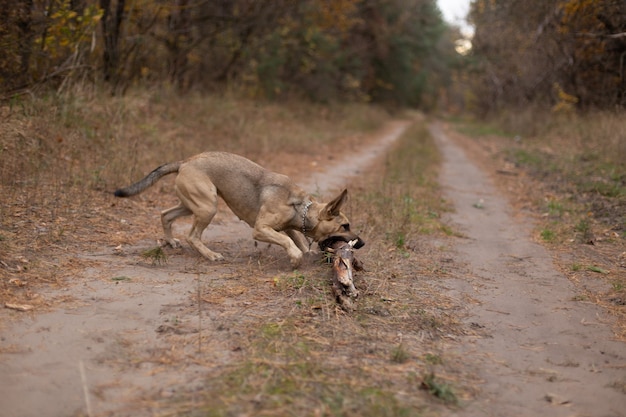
(565, 53)
(372, 50)
(568, 54)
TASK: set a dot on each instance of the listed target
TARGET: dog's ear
(332, 209)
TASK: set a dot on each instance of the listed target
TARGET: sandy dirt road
(535, 351)
(538, 351)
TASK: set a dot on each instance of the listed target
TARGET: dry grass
(594, 132)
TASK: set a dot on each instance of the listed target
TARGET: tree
(16, 37)
(530, 51)
(112, 18)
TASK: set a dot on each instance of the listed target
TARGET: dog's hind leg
(194, 239)
(167, 218)
(199, 198)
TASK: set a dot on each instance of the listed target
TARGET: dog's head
(333, 224)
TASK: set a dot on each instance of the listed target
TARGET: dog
(277, 209)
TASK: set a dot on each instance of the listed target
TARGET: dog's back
(244, 185)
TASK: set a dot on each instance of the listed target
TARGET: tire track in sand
(538, 352)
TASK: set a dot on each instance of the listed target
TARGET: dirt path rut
(539, 352)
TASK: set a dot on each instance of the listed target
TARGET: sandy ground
(536, 352)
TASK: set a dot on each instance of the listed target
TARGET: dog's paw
(296, 260)
(313, 252)
(311, 256)
(216, 257)
(295, 255)
(173, 243)
(210, 255)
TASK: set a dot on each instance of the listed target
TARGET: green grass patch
(597, 269)
(433, 359)
(121, 278)
(439, 389)
(293, 281)
(548, 235)
(399, 354)
(476, 129)
(527, 158)
(555, 208)
(583, 230)
(407, 201)
(155, 255)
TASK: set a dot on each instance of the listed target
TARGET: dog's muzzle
(341, 237)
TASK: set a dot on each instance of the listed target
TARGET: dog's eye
(346, 227)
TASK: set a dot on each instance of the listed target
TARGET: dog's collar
(305, 212)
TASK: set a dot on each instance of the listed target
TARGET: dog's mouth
(340, 237)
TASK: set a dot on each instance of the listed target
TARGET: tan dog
(276, 208)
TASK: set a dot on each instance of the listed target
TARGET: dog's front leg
(299, 239)
(267, 234)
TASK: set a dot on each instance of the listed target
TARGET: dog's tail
(149, 180)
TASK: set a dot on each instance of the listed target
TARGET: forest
(569, 54)
(374, 50)
(566, 53)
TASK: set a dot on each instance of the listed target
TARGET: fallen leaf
(555, 399)
(597, 269)
(19, 307)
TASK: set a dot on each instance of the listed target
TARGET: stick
(83, 378)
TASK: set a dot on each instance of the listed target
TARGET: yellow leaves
(566, 102)
(63, 13)
(563, 96)
(351, 82)
(580, 18)
(485, 5)
(578, 8)
(68, 29)
(579, 15)
(336, 14)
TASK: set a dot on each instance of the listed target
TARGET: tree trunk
(111, 24)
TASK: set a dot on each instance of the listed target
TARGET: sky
(454, 11)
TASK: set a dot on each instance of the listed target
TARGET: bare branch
(603, 35)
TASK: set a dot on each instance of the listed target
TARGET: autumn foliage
(567, 53)
(370, 50)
